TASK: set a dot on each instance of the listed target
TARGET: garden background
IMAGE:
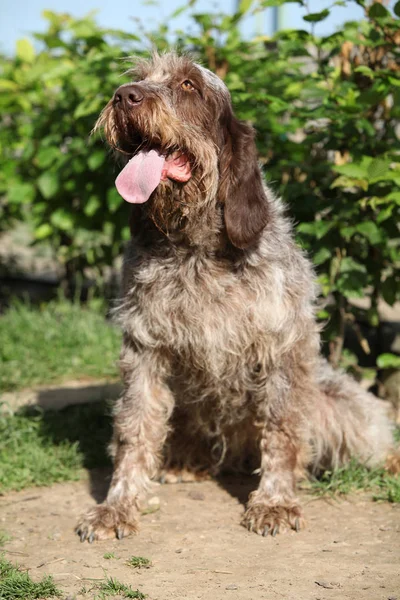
(326, 110)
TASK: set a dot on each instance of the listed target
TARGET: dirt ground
(349, 551)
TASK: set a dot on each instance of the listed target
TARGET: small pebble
(325, 585)
(196, 495)
(154, 501)
(232, 586)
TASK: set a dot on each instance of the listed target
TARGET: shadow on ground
(89, 427)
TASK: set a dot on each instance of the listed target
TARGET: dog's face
(187, 152)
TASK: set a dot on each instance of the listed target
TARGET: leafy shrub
(326, 110)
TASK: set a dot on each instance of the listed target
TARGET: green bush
(327, 114)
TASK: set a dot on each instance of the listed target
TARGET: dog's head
(187, 153)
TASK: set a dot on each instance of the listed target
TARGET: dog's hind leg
(140, 429)
(348, 422)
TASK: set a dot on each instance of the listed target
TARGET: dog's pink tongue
(140, 177)
(143, 173)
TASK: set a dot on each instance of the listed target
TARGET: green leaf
(349, 182)
(114, 200)
(48, 184)
(378, 167)
(315, 17)
(179, 11)
(8, 86)
(352, 278)
(389, 287)
(268, 3)
(396, 9)
(365, 71)
(370, 231)
(322, 255)
(388, 361)
(25, 50)
(355, 170)
(394, 81)
(125, 234)
(325, 284)
(62, 220)
(385, 214)
(89, 106)
(244, 6)
(377, 10)
(96, 159)
(46, 156)
(347, 232)
(20, 193)
(92, 206)
(394, 196)
(318, 229)
(43, 231)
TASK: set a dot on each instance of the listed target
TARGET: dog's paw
(106, 521)
(182, 476)
(269, 519)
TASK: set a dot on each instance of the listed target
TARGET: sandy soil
(349, 551)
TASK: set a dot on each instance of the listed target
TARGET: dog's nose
(128, 96)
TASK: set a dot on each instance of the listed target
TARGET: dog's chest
(208, 317)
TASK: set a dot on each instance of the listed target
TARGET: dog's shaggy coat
(221, 353)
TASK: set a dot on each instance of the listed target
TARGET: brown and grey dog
(221, 353)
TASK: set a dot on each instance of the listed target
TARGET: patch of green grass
(139, 562)
(41, 448)
(111, 587)
(58, 341)
(4, 537)
(355, 477)
(16, 584)
(109, 555)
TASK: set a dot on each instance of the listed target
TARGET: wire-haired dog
(220, 357)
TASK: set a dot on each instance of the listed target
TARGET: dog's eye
(188, 86)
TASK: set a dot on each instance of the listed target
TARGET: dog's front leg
(273, 505)
(140, 429)
(284, 454)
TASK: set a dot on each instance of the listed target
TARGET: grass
(109, 555)
(112, 587)
(4, 537)
(356, 477)
(58, 341)
(16, 584)
(138, 562)
(42, 448)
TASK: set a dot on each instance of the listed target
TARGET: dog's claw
(120, 533)
(82, 535)
(297, 524)
(162, 479)
(91, 538)
(251, 525)
(266, 531)
(275, 530)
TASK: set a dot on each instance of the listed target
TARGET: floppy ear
(241, 191)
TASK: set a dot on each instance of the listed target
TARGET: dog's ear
(241, 190)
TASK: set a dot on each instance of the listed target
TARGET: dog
(221, 350)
